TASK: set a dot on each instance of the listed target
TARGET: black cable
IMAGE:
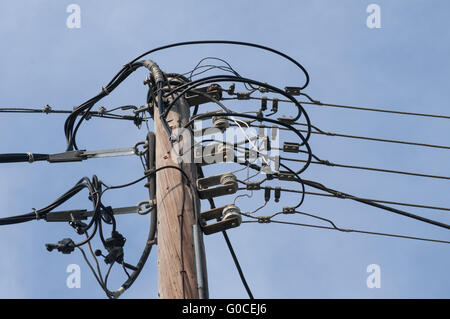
(22, 157)
(374, 204)
(368, 138)
(241, 43)
(228, 78)
(70, 128)
(361, 200)
(41, 213)
(107, 113)
(369, 199)
(318, 103)
(383, 170)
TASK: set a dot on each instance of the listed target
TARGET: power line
(374, 204)
(364, 198)
(101, 114)
(383, 170)
(368, 138)
(360, 108)
(159, 88)
(350, 230)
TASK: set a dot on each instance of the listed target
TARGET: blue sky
(403, 66)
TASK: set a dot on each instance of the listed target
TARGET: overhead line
(364, 198)
(360, 108)
(355, 231)
(383, 170)
(376, 139)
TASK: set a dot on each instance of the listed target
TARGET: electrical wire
(352, 231)
(360, 108)
(368, 138)
(369, 199)
(383, 170)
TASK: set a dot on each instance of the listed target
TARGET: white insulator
(228, 178)
(221, 122)
(232, 211)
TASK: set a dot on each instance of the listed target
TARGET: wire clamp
(243, 95)
(292, 90)
(288, 210)
(36, 213)
(104, 90)
(253, 186)
(264, 219)
(227, 185)
(47, 109)
(228, 216)
(30, 158)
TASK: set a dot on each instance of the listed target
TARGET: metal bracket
(213, 153)
(243, 95)
(213, 90)
(286, 119)
(227, 185)
(83, 214)
(292, 90)
(288, 210)
(230, 215)
(291, 147)
(254, 186)
(80, 155)
(286, 176)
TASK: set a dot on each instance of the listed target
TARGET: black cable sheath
(241, 43)
(22, 157)
(374, 204)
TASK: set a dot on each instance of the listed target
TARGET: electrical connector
(243, 95)
(291, 147)
(65, 246)
(292, 90)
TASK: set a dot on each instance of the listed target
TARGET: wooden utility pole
(174, 253)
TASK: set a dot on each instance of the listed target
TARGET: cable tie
(36, 213)
(30, 158)
(105, 90)
(243, 95)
